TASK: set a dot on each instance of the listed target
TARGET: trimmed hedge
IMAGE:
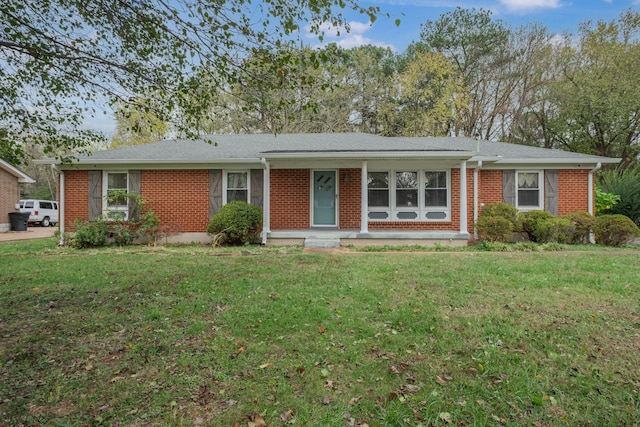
(614, 230)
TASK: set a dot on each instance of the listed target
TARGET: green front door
(324, 198)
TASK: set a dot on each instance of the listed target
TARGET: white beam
(463, 198)
(364, 198)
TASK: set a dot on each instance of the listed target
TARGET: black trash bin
(19, 220)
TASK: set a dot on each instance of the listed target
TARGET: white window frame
(421, 209)
(540, 205)
(225, 181)
(106, 210)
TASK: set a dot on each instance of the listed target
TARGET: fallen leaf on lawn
(265, 366)
(301, 370)
(286, 416)
(354, 401)
(441, 380)
(237, 353)
(324, 372)
(393, 370)
(446, 417)
(255, 421)
(326, 400)
(321, 329)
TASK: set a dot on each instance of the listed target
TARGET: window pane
(528, 180)
(407, 180)
(237, 180)
(240, 195)
(435, 180)
(406, 198)
(435, 197)
(378, 180)
(117, 180)
(116, 199)
(379, 198)
(528, 198)
(28, 205)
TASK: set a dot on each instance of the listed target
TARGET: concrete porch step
(322, 242)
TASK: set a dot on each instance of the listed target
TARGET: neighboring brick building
(354, 188)
(10, 179)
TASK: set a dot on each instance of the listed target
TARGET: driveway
(31, 233)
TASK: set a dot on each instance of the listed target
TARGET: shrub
(90, 234)
(624, 183)
(531, 222)
(553, 230)
(494, 228)
(236, 223)
(583, 223)
(503, 210)
(614, 230)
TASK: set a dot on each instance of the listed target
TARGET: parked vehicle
(43, 212)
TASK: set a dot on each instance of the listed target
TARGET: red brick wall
(76, 203)
(349, 200)
(9, 195)
(573, 192)
(179, 197)
(290, 199)
(489, 187)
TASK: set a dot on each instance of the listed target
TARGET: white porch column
(266, 201)
(364, 198)
(463, 197)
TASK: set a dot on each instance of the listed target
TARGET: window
(237, 186)
(378, 189)
(406, 189)
(435, 189)
(528, 195)
(116, 203)
(402, 195)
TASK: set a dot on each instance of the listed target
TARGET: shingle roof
(256, 146)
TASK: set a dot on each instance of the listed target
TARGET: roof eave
(462, 155)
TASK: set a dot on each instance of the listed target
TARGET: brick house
(10, 180)
(329, 189)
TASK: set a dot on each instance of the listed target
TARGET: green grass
(195, 336)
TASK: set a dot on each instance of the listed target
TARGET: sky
(558, 16)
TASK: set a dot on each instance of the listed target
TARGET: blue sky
(559, 16)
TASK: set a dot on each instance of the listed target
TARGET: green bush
(90, 234)
(531, 221)
(554, 230)
(626, 184)
(236, 223)
(583, 223)
(494, 229)
(614, 230)
(503, 210)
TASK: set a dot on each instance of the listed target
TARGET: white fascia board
(560, 161)
(158, 164)
(22, 177)
(366, 155)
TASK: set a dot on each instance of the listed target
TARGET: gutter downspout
(266, 201)
(591, 207)
(61, 197)
(476, 195)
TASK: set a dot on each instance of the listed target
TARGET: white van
(43, 212)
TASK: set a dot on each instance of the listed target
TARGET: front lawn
(197, 336)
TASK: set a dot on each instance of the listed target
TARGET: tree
(137, 123)
(430, 93)
(477, 47)
(598, 98)
(61, 60)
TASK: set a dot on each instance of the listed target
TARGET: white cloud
(347, 39)
(529, 5)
